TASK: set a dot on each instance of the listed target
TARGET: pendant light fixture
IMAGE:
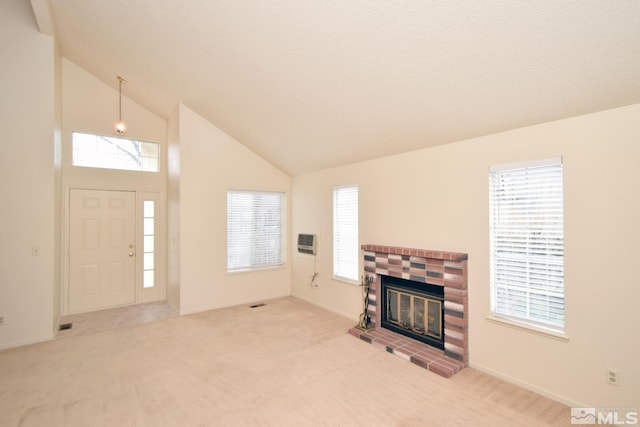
(121, 127)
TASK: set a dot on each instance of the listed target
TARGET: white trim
(15, 344)
(115, 139)
(160, 243)
(159, 290)
(345, 280)
(528, 327)
(527, 270)
(541, 391)
(240, 232)
(353, 318)
(338, 249)
(526, 164)
(256, 269)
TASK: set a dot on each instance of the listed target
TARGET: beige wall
(211, 162)
(91, 106)
(438, 199)
(27, 177)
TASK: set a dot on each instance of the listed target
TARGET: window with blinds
(255, 230)
(345, 233)
(527, 243)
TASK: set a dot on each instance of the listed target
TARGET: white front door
(102, 256)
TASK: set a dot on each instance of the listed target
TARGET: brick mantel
(440, 268)
(422, 253)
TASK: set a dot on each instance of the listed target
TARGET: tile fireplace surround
(447, 269)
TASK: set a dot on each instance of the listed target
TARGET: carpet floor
(287, 363)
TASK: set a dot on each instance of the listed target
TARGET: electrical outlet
(1, 320)
(612, 377)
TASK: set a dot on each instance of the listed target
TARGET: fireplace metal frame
(413, 289)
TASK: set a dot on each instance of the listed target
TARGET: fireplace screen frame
(411, 289)
(431, 327)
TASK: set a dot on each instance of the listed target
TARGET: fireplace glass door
(417, 313)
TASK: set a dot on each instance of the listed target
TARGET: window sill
(256, 270)
(560, 336)
(345, 280)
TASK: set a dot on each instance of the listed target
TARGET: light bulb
(121, 127)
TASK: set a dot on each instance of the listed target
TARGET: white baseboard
(200, 309)
(28, 342)
(541, 391)
(312, 302)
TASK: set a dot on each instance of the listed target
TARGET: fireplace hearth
(440, 278)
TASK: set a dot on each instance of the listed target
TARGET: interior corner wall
(211, 162)
(173, 209)
(437, 198)
(57, 162)
(27, 177)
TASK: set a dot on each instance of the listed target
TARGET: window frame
(149, 243)
(339, 248)
(95, 165)
(234, 267)
(158, 290)
(538, 263)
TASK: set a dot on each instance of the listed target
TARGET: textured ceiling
(312, 84)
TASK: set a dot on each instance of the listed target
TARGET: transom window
(96, 151)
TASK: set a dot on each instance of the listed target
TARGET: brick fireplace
(446, 269)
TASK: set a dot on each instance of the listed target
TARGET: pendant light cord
(120, 81)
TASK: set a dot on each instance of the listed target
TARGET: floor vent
(65, 326)
(257, 305)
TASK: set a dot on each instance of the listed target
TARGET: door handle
(131, 254)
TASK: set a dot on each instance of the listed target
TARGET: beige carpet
(287, 363)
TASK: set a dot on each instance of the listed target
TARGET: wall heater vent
(307, 243)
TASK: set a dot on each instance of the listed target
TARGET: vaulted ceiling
(313, 84)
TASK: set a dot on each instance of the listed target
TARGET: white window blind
(345, 233)
(255, 229)
(527, 243)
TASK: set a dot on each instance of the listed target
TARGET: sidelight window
(148, 243)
